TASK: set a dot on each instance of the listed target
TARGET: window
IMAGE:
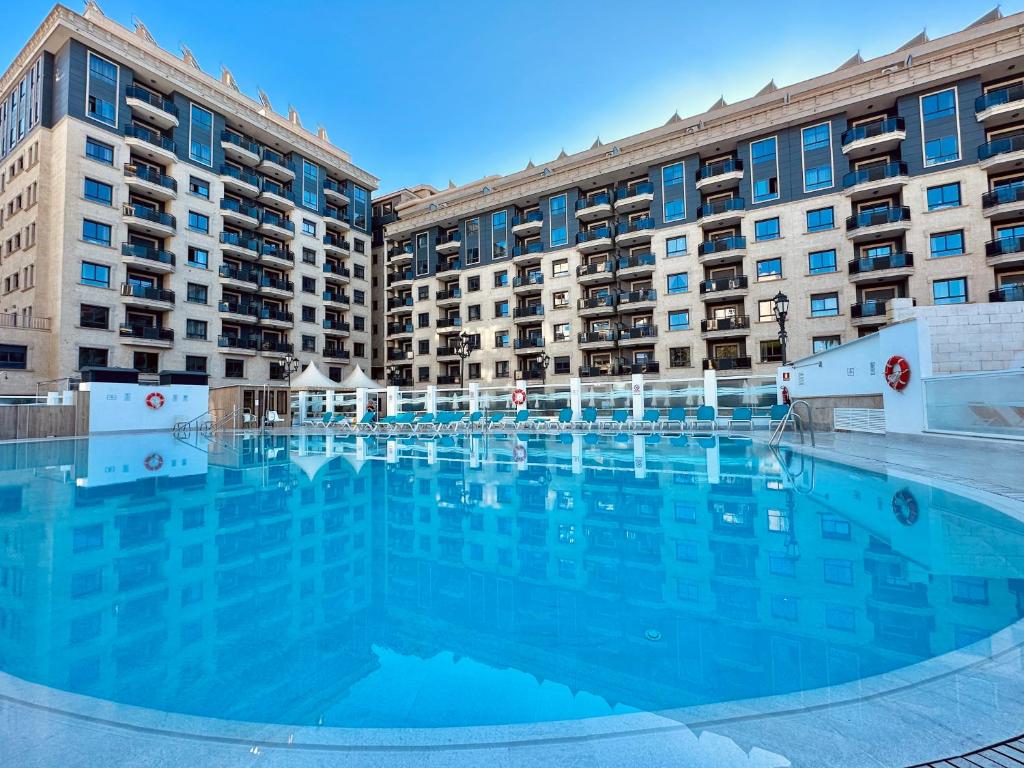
(500, 279)
(675, 246)
(678, 282)
(198, 257)
(501, 308)
(308, 284)
(945, 196)
(838, 571)
(95, 274)
(936, 105)
(13, 357)
(771, 351)
(474, 371)
(952, 291)
(102, 70)
(309, 227)
(423, 318)
(818, 177)
(95, 232)
(195, 364)
(309, 343)
(766, 310)
(473, 311)
(823, 343)
(562, 365)
(947, 244)
(310, 187)
(358, 270)
(196, 293)
(672, 192)
(198, 222)
(97, 150)
(501, 369)
(234, 369)
(942, 150)
(99, 192)
(563, 331)
(820, 219)
(308, 314)
(766, 189)
(824, 304)
(94, 317)
(969, 589)
(816, 137)
(560, 299)
(679, 320)
(679, 357)
(359, 322)
(499, 235)
(146, 362)
(560, 268)
(472, 284)
(423, 346)
(360, 207)
(102, 110)
(423, 292)
(841, 617)
(199, 187)
(820, 262)
(359, 297)
(559, 232)
(201, 136)
(501, 339)
(423, 374)
(195, 329)
(91, 356)
(766, 229)
(834, 527)
(769, 269)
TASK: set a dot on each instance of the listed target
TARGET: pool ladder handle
(798, 421)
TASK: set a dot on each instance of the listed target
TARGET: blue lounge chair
(366, 424)
(620, 418)
(425, 421)
(450, 422)
(565, 418)
(522, 420)
(588, 419)
(776, 414)
(705, 415)
(676, 416)
(475, 420)
(402, 421)
(649, 420)
(742, 415)
(495, 420)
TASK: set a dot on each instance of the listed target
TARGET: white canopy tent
(318, 393)
(357, 379)
(312, 378)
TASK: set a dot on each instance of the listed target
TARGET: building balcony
(239, 278)
(528, 345)
(336, 273)
(1005, 252)
(727, 363)
(637, 301)
(142, 218)
(400, 254)
(533, 373)
(721, 213)
(336, 246)
(529, 284)
(1010, 292)
(446, 245)
(150, 144)
(1001, 154)
(277, 256)
(152, 107)
(145, 181)
(879, 180)
(597, 339)
(400, 330)
(275, 347)
(447, 298)
(878, 269)
(637, 196)
(638, 336)
(336, 300)
(1005, 202)
(239, 312)
(528, 224)
(400, 279)
(719, 176)
(335, 218)
(723, 250)
(240, 182)
(724, 327)
(594, 240)
(529, 255)
(871, 312)
(274, 164)
(147, 298)
(596, 306)
(399, 304)
(639, 265)
(448, 322)
(596, 273)
(276, 318)
(276, 226)
(397, 355)
(629, 233)
(147, 259)
(273, 194)
(444, 352)
(336, 192)
(594, 207)
(334, 327)
(243, 344)
(878, 137)
(886, 222)
(239, 149)
(449, 379)
(275, 286)
(1000, 105)
(447, 266)
(527, 314)
(593, 371)
(239, 214)
(146, 335)
(336, 353)
(723, 288)
(244, 246)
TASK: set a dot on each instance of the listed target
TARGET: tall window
(360, 208)
(102, 90)
(422, 254)
(200, 141)
(939, 126)
(499, 234)
(472, 241)
(817, 157)
(672, 192)
(764, 175)
(310, 182)
(557, 221)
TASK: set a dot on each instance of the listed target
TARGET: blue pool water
(344, 581)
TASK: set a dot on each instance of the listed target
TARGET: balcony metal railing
(147, 252)
(601, 198)
(148, 332)
(890, 215)
(640, 225)
(1001, 146)
(872, 130)
(999, 96)
(144, 212)
(450, 237)
(336, 270)
(270, 250)
(870, 308)
(637, 297)
(330, 324)
(594, 337)
(718, 168)
(449, 266)
(639, 260)
(876, 263)
(333, 186)
(337, 242)
(275, 220)
(634, 189)
(270, 156)
(276, 283)
(395, 303)
(726, 363)
(531, 217)
(734, 323)
(734, 283)
(401, 276)
(597, 268)
(395, 328)
(530, 248)
(145, 292)
(725, 205)
(593, 302)
(1004, 245)
(273, 345)
(239, 308)
(150, 137)
(530, 342)
(248, 242)
(1008, 193)
(445, 295)
(238, 342)
(449, 322)
(639, 332)
(240, 142)
(722, 244)
(532, 310)
(281, 315)
(239, 273)
(1012, 292)
(336, 297)
(534, 278)
(153, 99)
(145, 173)
(600, 233)
(337, 353)
(875, 173)
(227, 204)
(244, 176)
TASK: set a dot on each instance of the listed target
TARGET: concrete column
(431, 398)
(575, 399)
(474, 397)
(637, 388)
(711, 389)
(392, 400)
(329, 401)
(303, 406)
(360, 402)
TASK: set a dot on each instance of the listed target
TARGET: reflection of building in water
(275, 568)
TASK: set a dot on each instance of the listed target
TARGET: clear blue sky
(461, 90)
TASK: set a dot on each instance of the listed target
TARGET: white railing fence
(988, 404)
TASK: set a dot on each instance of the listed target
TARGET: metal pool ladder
(776, 437)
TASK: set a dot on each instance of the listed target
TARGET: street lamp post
(780, 310)
(543, 360)
(392, 374)
(463, 347)
(290, 365)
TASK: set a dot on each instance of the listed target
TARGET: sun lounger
(742, 416)
(705, 415)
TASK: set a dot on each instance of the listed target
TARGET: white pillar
(392, 400)
(520, 385)
(474, 397)
(360, 402)
(432, 453)
(329, 401)
(639, 457)
(637, 388)
(577, 452)
(431, 398)
(391, 456)
(711, 389)
(714, 461)
(474, 451)
(575, 399)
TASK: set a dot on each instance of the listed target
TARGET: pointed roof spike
(920, 37)
(718, 104)
(92, 7)
(321, 133)
(227, 78)
(141, 31)
(853, 61)
(561, 155)
(771, 87)
(451, 184)
(186, 54)
(529, 165)
(293, 116)
(675, 118)
(994, 15)
(264, 98)
(597, 143)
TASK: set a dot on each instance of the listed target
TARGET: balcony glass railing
(1004, 245)
(334, 296)
(333, 186)
(721, 244)
(725, 205)
(448, 266)
(534, 278)
(400, 276)
(239, 308)
(243, 176)
(1008, 193)
(240, 142)
(399, 354)
(395, 328)
(273, 188)
(726, 363)
(870, 308)
(450, 237)
(146, 292)
(274, 220)
(734, 323)
(639, 332)
(147, 252)
(601, 233)
(148, 136)
(238, 342)
(273, 345)
(531, 217)
(876, 263)
(734, 283)
(532, 310)
(633, 190)
(331, 324)
(239, 273)
(637, 297)
(145, 173)
(719, 168)
(281, 315)
(277, 283)
(638, 260)
(875, 218)
(599, 268)
(640, 225)
(330, 212)
(530, 248)
(875, 173)
(999, 96)
(336, 270)
(530, 342)
(594, 302)
(871, 130)
(227, 204)
(400, 250)
(248, 242)
(1001, 146)
(270, 156)
(397, 303)
(1011, 292)
(337, 242)
(153, 99)
(272, 251)
(601, 198)
(449, 322)
(148, 332)
(139, 211)
(337, 353)
(597, 337)
(451, 293)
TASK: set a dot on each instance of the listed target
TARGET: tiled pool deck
(948, 706)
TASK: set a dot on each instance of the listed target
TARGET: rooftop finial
(853, 61)
(597, 143)
(186, 54)
(321, 133)
(718, 104)
(227, 78)
(561, 155)
(265, 99)
(529, 165)
(451, 184)
(994, 15)
(293, 116)
(92, 8)
(141, 31)
(675, 118)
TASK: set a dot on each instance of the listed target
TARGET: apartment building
(154, 217)
(901, 176)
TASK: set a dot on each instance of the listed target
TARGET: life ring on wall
(904, 506)
(519, 454)
(154, 462)
(897, 372)
(518, 396)
(155, 401)
(785, 396)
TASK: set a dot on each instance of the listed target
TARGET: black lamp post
(780, 310)
(392, 374)
(543, 360)
(289, 365)
(462, 348)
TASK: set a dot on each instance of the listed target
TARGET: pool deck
(945, 709)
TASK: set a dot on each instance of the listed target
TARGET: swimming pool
(322, 580)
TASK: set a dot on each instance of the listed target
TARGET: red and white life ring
(897, 372)
(518, 396)
(519, 454)
(154, 462)
(155, 401)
